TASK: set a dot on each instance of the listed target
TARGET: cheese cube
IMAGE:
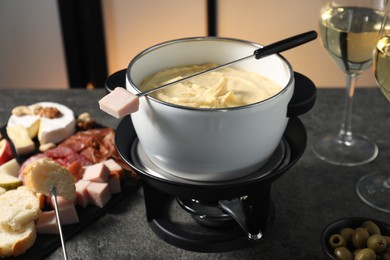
(21, 139)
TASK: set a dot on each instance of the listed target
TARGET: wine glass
(349, 31)
(374, 189)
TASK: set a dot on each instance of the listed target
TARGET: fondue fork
(54, 198)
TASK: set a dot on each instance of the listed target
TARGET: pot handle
(118, 79)
(304, 96)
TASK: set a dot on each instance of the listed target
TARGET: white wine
(349, 34)
(382, 65)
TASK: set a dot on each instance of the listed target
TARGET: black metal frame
(84, 41)
(84, 44)
(212, 17)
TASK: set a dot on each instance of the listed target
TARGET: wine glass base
(360, 150)
(374, 190)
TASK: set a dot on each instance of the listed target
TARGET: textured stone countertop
(307, 198)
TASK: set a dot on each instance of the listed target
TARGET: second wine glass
(374, 188)
(349, 30)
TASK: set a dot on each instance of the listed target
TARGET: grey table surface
(307, 198)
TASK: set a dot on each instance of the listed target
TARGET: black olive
(377, 243)
(337, 240)
(342, 253)
(365, 254)
(359, 237)
(371, 227)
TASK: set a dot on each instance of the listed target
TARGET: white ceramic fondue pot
(209, 144)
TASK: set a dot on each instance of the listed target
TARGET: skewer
(54, 197)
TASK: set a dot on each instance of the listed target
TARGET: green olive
(359, 237)
(377, 243)
(385, 255)
(337, 240)
(342, 253)
(387, 240)
(365, 254)
(371, 227)
(347, 234)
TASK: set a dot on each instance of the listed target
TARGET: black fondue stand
(228, 215)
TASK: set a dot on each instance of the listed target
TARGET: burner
(227, 215)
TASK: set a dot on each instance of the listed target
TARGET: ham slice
(119, 103)
(99, 193)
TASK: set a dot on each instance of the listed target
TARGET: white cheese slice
(48, 130)
(57, 129)
(30, 122)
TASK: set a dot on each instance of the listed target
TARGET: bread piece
(44, 173)
(14, 243)
(17, 208)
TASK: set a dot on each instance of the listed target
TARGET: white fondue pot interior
(196, 51)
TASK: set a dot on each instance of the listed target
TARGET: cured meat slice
(59, 152)
(66, 156)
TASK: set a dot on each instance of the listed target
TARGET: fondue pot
(217, 164)
(209, 144)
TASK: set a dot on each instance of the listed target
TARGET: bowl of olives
(356, 238)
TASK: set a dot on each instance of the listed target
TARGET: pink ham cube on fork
(119, 103)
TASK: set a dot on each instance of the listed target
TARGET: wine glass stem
(345, 134)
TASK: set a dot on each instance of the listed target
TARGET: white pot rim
(212, 38)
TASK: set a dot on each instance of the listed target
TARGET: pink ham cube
(99, 193)
(47, 223)
(113, 166)
(98, 172)
(119, 103)
(61, 202)
(82, 196)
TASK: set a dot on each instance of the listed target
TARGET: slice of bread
(18, 207)
(14, 243)
(44, 173)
